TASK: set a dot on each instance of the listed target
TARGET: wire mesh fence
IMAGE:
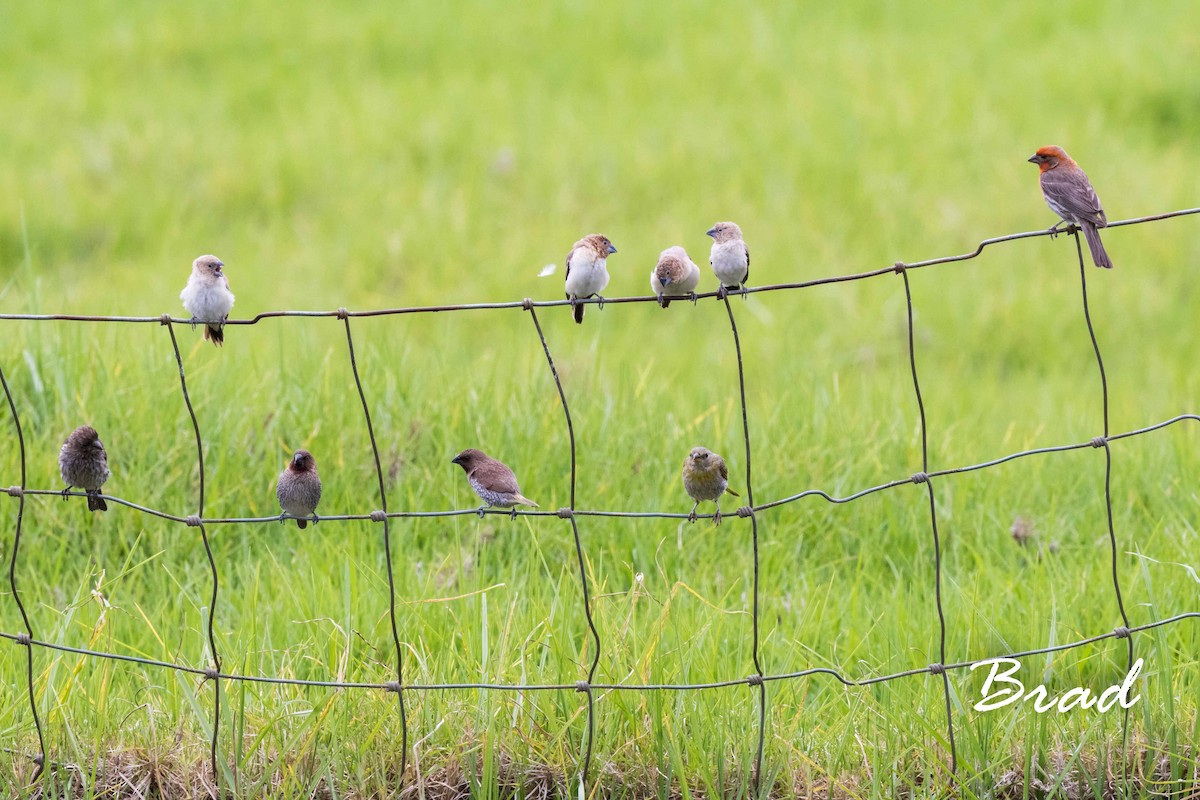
(587, 686)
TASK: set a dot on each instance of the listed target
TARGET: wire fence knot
(754, 680)
(40, 760)
(212, 674)
(165, 319)
(392, 686)
(15, 491)
(342, 313)
(583, 686)
(378, 516)
(1121, 631)
(24, 639)
(193, 521)
(1099, 441)
(745, 511)
(937, 669)
(899, 267)
(527, 304)
(920, 477)
(565, 513)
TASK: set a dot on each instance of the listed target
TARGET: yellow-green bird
(705, 477)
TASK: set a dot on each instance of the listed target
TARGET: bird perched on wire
(299, 489)
(730, 256)
(492, 480)
(675, 274)
(207, 297)
(586, 272)
(705, 477)
(83, 462)
(1069, 194)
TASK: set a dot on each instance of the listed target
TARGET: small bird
(674, 271)
(492, 480)
(705, 477)
(586, 273)
(1069, 194)
(730, 256)
(84, 463)
(207, 297)
(299, 489)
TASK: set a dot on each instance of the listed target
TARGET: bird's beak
(611, 249)
(456, 460)
(1033, 159)
(711, 232)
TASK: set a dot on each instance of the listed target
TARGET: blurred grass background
(383, 154)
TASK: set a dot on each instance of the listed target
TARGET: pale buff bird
(730, 255)
(674, 274)
(586, 272)
(207, 297)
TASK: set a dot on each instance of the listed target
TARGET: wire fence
(571, 514)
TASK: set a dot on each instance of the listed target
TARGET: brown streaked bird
(1069, 194)
(83, 462)
(492, 480)
(675, 274)
(207, 297)
(730, 255)
(586, 272)
(705, 477)
(299, 489)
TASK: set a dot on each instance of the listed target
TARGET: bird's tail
(732, 492)
(1099, 254)
(522, 500)
(579, 313)
(216, 333)
(96, 502)
(302, 524)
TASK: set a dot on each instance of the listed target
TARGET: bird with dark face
(1069, 194)
(730, 255)
(207, 297)
(83, 462)
(674, 273)
(705, 477)
(586, 272)
(299, 489)
(492, 480)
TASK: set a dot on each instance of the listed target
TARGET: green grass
(382, 155)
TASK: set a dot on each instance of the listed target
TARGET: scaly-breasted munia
(705, 477)
(675, 274)
(299, 489)
(207, 297)
(83, 462)
(586, 272)
(492, 480)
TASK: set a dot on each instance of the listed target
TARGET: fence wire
(588, 686)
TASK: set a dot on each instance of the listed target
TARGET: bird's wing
(1073, 191)
(724, 470)
(746, 247)
(497, 477)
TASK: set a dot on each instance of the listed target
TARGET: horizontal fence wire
(758, 679)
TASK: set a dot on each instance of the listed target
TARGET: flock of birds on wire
(83, 461)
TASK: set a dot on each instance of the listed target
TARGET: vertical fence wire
(569, 513)
(1112, 535)
(757, 680)
(40, 759)
(923, 477)
(387, 549)
(214, 674)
